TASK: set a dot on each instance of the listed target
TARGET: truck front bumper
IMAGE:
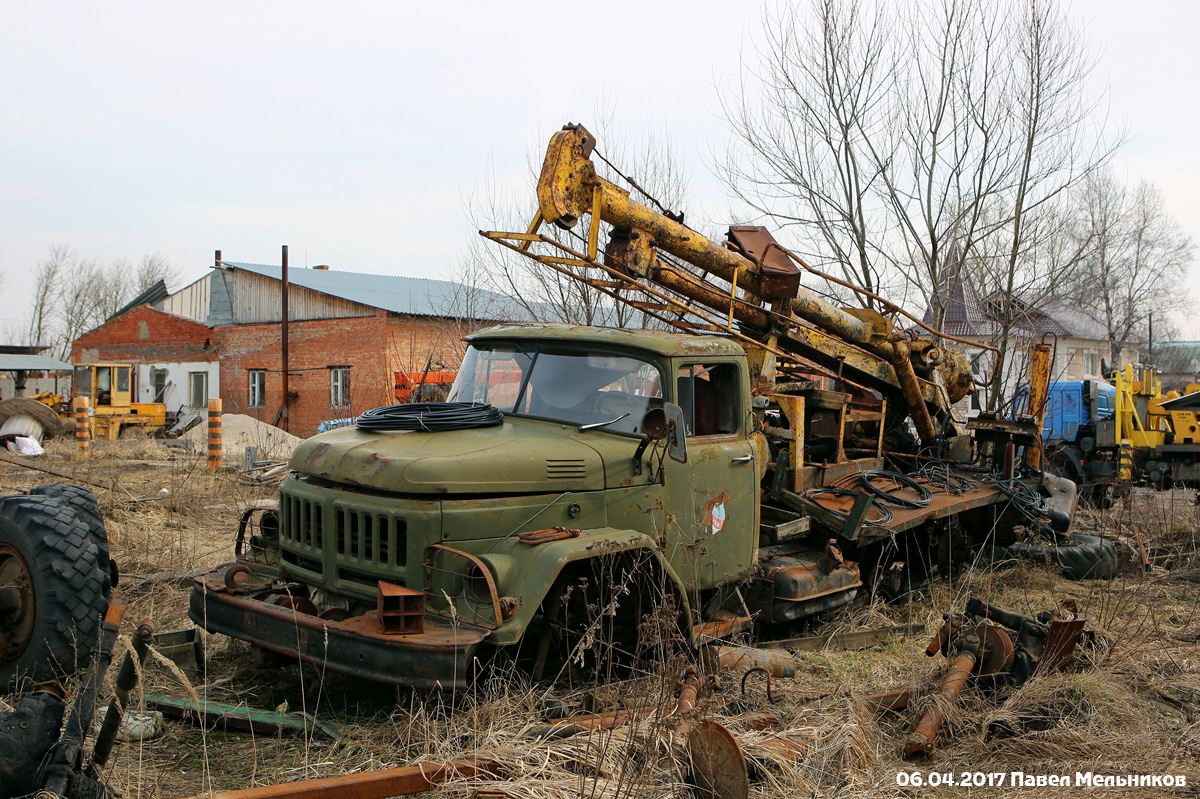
(438, 657)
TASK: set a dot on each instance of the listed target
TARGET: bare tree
(73, 295)
(1135, 262)
(903, 142)
(48, 277)
(155, 266)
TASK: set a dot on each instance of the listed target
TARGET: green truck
(584, 480)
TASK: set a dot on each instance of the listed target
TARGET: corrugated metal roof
(1177, 357)
(409, 295)
(31, 363)
(156, 293)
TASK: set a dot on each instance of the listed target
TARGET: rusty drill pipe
(913, 395)
(380, 784)
(920, 743)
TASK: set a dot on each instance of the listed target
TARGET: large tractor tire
(1080, 557)
(54, 589)
(83, 502)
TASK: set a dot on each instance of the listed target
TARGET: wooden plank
(842, 641)
(6, 458)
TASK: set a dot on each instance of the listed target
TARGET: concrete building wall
(177, 383)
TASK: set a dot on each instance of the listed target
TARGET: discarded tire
(1081, 557)
(82, 502)
(53, 590)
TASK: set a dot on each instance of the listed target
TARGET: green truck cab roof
(656, 341)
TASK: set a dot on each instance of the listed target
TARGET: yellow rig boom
(761, 291)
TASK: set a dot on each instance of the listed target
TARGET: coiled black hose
(924, 495)
(430, 417)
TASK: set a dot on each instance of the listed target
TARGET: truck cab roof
(657, 341)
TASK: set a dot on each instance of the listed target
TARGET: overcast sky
(353, 132)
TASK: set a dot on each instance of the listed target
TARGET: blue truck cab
(1076, 404)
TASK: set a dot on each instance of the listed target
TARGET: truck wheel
(82, 501)
(53, 592)
(1081, 557)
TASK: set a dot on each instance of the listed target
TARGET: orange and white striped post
(83, 425)
(214, 434)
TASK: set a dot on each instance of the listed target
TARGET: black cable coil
(924, 495)
(430, 417)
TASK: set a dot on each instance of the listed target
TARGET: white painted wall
(176, 395)
(34, 385)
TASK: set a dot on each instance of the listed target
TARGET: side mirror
(667, 423)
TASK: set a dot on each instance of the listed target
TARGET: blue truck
(1087, 421)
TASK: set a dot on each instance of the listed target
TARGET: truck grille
(565, 469)
(371, 538)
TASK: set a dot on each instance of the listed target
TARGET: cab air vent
(565, 469)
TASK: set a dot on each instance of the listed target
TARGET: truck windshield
(575, 387)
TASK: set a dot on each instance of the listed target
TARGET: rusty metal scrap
(984, 642)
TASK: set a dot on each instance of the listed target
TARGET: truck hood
(519, 456)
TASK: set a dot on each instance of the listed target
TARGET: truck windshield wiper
(595, 425)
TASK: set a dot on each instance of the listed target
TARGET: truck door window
(709, 397)
(83, 381)
(104, 385)
(122, 378)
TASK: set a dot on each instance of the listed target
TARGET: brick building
(347, 334)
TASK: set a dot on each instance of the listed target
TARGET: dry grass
(1130, 704)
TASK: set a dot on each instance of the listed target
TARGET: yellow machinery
(1142, 413)
(109, 389)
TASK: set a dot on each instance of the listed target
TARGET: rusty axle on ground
(402, 781)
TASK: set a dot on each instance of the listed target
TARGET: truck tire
(52, 621)
(1080, 557)
(83, 502)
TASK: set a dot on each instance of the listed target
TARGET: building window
(198, 389)
(258, 388)
(339, 386)
(1091, 364)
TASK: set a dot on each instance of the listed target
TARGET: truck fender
(543, 563)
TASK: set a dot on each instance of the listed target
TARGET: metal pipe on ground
(402, 781)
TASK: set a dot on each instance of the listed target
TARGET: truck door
(712, 500)
(122, 393)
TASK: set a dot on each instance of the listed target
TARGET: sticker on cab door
(716, 513)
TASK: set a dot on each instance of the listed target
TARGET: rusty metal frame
(793, 409)
(431, 568)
